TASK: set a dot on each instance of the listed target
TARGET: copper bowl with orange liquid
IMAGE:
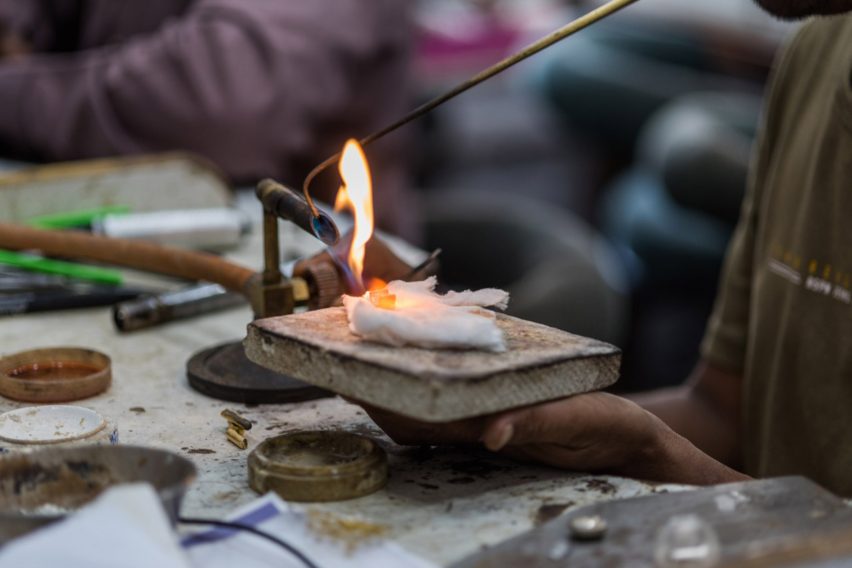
(56, 374)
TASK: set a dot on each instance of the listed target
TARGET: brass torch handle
(140, 255)
(285, 203)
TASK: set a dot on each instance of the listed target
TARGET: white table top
(440, 503)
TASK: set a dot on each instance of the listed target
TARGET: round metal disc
(224, 372)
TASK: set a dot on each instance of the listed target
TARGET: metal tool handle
(148, 311)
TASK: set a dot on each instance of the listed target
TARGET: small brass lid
(318, 466)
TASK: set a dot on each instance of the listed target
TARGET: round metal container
(57, 374)
(42, 486)
(318, 466)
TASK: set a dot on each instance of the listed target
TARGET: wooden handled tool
(139, 255)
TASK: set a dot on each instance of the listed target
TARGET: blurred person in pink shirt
(260, 87)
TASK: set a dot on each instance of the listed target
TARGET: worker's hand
(595, 432)
(379, 261)
(411, 432)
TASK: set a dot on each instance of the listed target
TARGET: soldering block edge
(542, 363)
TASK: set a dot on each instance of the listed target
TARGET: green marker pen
(68, 269)
(74, 219)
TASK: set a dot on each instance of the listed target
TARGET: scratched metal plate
(788, 520)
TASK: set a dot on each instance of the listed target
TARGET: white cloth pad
(423, 318)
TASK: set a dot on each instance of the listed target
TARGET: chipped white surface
(49, 424)
(442, 504)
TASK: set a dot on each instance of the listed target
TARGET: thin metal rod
(569, 29)
(423, 265)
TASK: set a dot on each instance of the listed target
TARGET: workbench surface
(440, 503)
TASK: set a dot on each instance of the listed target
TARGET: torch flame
(356, 194)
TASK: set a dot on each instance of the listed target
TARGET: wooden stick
(580, 23)
(150, 257)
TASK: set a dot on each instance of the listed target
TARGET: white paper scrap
(226, 548)
(126, 527)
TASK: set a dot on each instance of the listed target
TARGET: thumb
(498, 435)
(541, 423)
(509, 428)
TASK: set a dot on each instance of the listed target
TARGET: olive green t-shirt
(783, 317)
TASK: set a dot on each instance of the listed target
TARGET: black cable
(237, 526)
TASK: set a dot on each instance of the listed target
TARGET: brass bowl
(318, 466)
